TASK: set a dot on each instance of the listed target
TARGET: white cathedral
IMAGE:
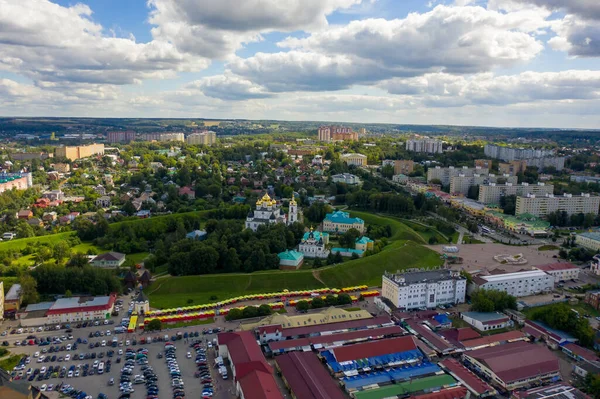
(268, 212)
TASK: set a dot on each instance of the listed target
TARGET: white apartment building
(543, 205)
(163, 137)
(589, 240)
(206, 137)
(561, 271)
(491, 193)
(460, 184)
(511, 153)
(445, 174)
(518, 284)
(545, 162)
(424, 289)
(429, 146)
(347, 178)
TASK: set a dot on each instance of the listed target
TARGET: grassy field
(402, 253)
(397, 256)
(20, 243)
(137, 258)
(84, 247)
(426, 232)
(176, 291)
(10, 362)
(582, 308)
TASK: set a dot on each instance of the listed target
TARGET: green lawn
(20, 243)
(426, 232)
(84, 247)
(137, 258)
(400, 231)
(471, 240)
(24, 261)
(176, 291)
(397, 256)
(415, 385)
(582, 308)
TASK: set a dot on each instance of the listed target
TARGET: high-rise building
(203, 138)
(78, 152)
(543, 205)
(491, 193)
(460, 184)
(539, 157)
(445, 174)
(424, 289)
(163, 137)
(121, 136)
(429, 146)
(336, 133)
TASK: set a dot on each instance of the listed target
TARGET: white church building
(269, 212)
(314, 244)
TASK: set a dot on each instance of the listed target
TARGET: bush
(154, 325)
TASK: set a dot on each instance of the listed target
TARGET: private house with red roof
(187, 192)
(561, 271)
(269, 333)
(252, 374)
(514, 365)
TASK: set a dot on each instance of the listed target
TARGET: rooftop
(485, 316)
(517, 361)
(519, 274)
(556, 266)
(429, 276)
(82, 304)
(474, 383)
(592, 235)
(306, 376)
(493, 339)
(555, 391)
(291, 255)
(342, 217)
(110, 256)
(374, 348)
(14, 293)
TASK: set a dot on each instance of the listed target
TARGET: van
(8, 236)
(101, 368)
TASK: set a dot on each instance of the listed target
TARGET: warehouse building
(518, 284)
(514, 365)
(561, 271)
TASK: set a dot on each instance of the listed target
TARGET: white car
(127, 343)
(43, 388)
(95, 364)
(107, 333)
(36, 354)
(120, 351)
(43, 370)
(103, 343)
(67, 358)
(189, 355)
(105, 322)
(20, 331)
(70, 375)
(69, 347)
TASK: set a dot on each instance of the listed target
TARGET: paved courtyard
(479, 257)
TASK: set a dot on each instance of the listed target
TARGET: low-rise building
(561, 271)
(198, 235)
(103, 202)
(347, 178)
(79, 152)
(486, 321)
(569, 203)
(364, 243)
(354, 159)
(521, 224)
(592, 298)
(589, 240)
(109, 260)
(424, 289)
(69, 310)
(13, 299)
(341, 222)
(518, 284)
(514, 365)
(314, 244)
(290, 260)
(401, 179)
(404, 166)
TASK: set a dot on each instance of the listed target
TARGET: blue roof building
(197, 235)
(341, 222)
(290, 260)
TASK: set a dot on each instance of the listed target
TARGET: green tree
(154, 325)
(387, 171)
(234, 314)
(264, 310)
(317, 303)
(60, 251)
(492, 300)
(68, 294)
(302, 306)
(344, 299)
(592, 385)
(331, 300)
(29, 291)
(348, 239)
(23, 230)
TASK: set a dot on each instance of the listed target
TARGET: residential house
(109, 260)
(290, 260)
(187, 192)
(24, 214)
(103, 202)
(35, 222)
(49, 216)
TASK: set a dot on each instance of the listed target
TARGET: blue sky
(472, 62)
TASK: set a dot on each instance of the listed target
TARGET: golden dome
(293, 201)
(266, 200)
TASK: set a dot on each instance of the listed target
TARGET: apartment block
(203, 138)
(336, 133)
(78, 152)
(491, 193)
(445, 174)
(429, 146)
(483, 163)
(543, 205)
(404, 167)
(424, 289)
(121, 137)
(547, 162)
(460, 184)
(518, 284)
(163, 137)
(512, 167)
(512, 153)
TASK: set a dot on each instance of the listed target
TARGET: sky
(510, 63)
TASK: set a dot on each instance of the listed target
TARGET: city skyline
(514, 63)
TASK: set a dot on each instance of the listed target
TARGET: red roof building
(516, 364)
(561, 271)
(374, 348)
(253, 375)
(495, 339)
(306, 377)
(467, 378)
(580, 353)
(457, 335)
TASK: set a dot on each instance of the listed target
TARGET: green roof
(291, 255)
(363, 240)
(421, 384)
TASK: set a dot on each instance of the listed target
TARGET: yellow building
(203, 138)
(512, 167)
(78, 152)
(329, 315)
(404, 167)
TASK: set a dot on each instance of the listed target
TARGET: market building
(68, 310)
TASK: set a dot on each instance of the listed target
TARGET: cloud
(444, 90)
(587, 9)
(216, 29)
(229, 87)
(50, 43)
(450, 39)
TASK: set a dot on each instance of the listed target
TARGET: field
(426, 232)
(20, 243)
(137, 258)
(400, 254)
(177, 291)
